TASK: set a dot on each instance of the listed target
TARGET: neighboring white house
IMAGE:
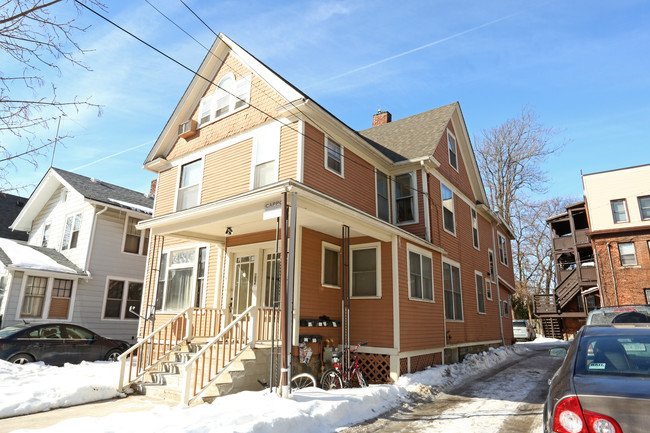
(84, 261)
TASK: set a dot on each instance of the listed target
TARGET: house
(10, 207)
(84, 261)
(618, 202)
(270, 210)
(601, 249)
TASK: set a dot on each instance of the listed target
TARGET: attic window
(453, 151)
(230, 96)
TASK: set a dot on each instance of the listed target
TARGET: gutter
(92, 239)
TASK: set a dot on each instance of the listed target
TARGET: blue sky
(583, 66)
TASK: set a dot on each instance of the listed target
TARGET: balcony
(563, 243)
(581, 237)
(545, 305)
(588, 274)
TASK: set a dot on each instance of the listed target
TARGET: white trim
(505, 248)
(388, 195)
(460, 281)
(473, 343)
(395, 272)
(47, 296)
(329, 246)
(125, 295)
(341, 155)
(476, 289)
(473, 214)
(367, 246)
(141, 242)
(453, 208)
(300, 169)
(410, 248)
(426, 206)
(456, 151)
(195, 158)
(72, 215)
(168, 267)
(232, 99)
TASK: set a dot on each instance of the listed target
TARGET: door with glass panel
(243, 282)
(271, 287)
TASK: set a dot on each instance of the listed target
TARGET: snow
(135, 207)
(22, 256)
(36, 387)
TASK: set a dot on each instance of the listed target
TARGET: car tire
(21, 358)
(112, 355)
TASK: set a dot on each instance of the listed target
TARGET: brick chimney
(152, 189)
(381, 118)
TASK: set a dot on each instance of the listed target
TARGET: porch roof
(249, 213)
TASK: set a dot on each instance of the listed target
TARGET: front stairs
(166, 381)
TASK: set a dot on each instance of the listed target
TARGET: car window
(50, 331)
(610, 355)
(519, 324)
(78, 333)
(9, 330)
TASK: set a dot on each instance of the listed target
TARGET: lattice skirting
(419, 362)
(375, 367)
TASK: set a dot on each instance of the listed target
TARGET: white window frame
(341, 152)
(73, 217)
(644, 200)
(647, 295)
(451, 208)
(144, 236)
(614, 213)
(193, 279)
(47, 299)
(478, 303)
(123, 303)
(45, 239)
(492, 266)
(503, 249)
(268, 134)
(413, 197)
(476, 241)
(451, 137)
(180, 190)
(620, 253)
(377, 195)
(377, 247)
(422, 253)
(505, 309)
(460, 283)
(209, 103)
(328, 246)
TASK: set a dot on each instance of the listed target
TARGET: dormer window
(231, 95)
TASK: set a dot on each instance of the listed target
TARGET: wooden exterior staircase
(551, 327)
(191, 359)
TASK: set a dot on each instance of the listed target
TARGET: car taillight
(527, 330)
(570, 418)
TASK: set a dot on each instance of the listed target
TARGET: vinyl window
(452, 289)
(448, 217)
(330, 276)
(420, 276)
(404, 198)
(230, 96)
(135, 241)
(365, 272)
(627, 253)
(619, 211)
(71, 232)
(480, 293)
(475, 238)
(121, 296)
(644, 207)
(383, 209)
(503, 249)
(333, 156)
(453, 151)
(265, 161)
(189, 189)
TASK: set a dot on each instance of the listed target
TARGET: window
(383, 211)
(453, 154)
(619, 211)
(162, 277)
(628, 253)
(647, 296)
(503, 250)
(181, 279)
(189, 187)
(480, 296)
(34, 298)
(60, 299)
(333, 156)
(488, 290)
(135, 241)
(46, 298)
(644, 207)
(46, 235)
(404, 203)
(267, 147)
(121, 296)
(330, 265)
(448, 209)
(475, 229)
(365, 278)
(71, 232)
(420, 276)
(493, 274)
(505, 309)
(201, 272)
(230, 96)
(453, 295)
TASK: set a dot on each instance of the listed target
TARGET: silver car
(523, 330)
(622, 314)
(603, 385)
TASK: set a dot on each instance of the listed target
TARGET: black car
(603, 385)
(56, 344)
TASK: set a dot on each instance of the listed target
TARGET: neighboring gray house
(10, 207)
(84, 261)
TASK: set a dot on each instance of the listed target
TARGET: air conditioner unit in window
(187, 129)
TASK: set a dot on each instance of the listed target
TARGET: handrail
(230, 342)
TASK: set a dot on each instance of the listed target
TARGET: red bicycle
(340, 377)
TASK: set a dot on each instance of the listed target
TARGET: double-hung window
(404, 198)
(34, 297)
(452, 289)
(503, 249)
(383, 210)
(480, 293)
(122, 296)
(448, 218)
(627, 253)
(267, 148)
(135, 241)
(420, 269)
(230, 95)
(189, 188)
(46, 298)
(333, 156)
(492, 275)
(330, 265)
(365, 271)
(71, 231)
(644, 207)
(475, 239)
(619, 211)
(60, 299)
(453, 151)
(181, 279)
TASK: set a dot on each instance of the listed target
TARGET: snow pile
(36, 387)
(22, 256)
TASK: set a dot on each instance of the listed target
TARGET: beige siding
(288, 152)
(227, 171)
(166, 191)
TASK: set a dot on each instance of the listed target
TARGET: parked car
(56, 344)
(622, 314)
(523, 330)
(603, 384)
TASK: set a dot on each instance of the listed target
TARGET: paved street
(506, 399)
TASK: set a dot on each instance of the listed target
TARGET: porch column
(284, 302)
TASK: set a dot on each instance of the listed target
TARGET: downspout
(611, 268)
(496, 277)
(426, 204)
(92, 238)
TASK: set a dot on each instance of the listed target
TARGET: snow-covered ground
(36, 387)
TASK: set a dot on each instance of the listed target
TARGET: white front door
(243, 284)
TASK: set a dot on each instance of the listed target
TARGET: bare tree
(34, 42)
(510, 156)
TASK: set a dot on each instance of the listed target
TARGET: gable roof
(10, 207)
(411, 137)
(30, 257)
(91, 189)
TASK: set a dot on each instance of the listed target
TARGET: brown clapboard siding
(251, 238)
(227, 172)
(166, 191)
(460, 178)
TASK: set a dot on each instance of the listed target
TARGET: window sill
(223, 116)
(449, 232)
(365, 297)
(426, 301)
(329, 286)
(455, 320)
(335, 172)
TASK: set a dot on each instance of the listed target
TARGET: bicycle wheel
(302, 380)
(331, 380)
